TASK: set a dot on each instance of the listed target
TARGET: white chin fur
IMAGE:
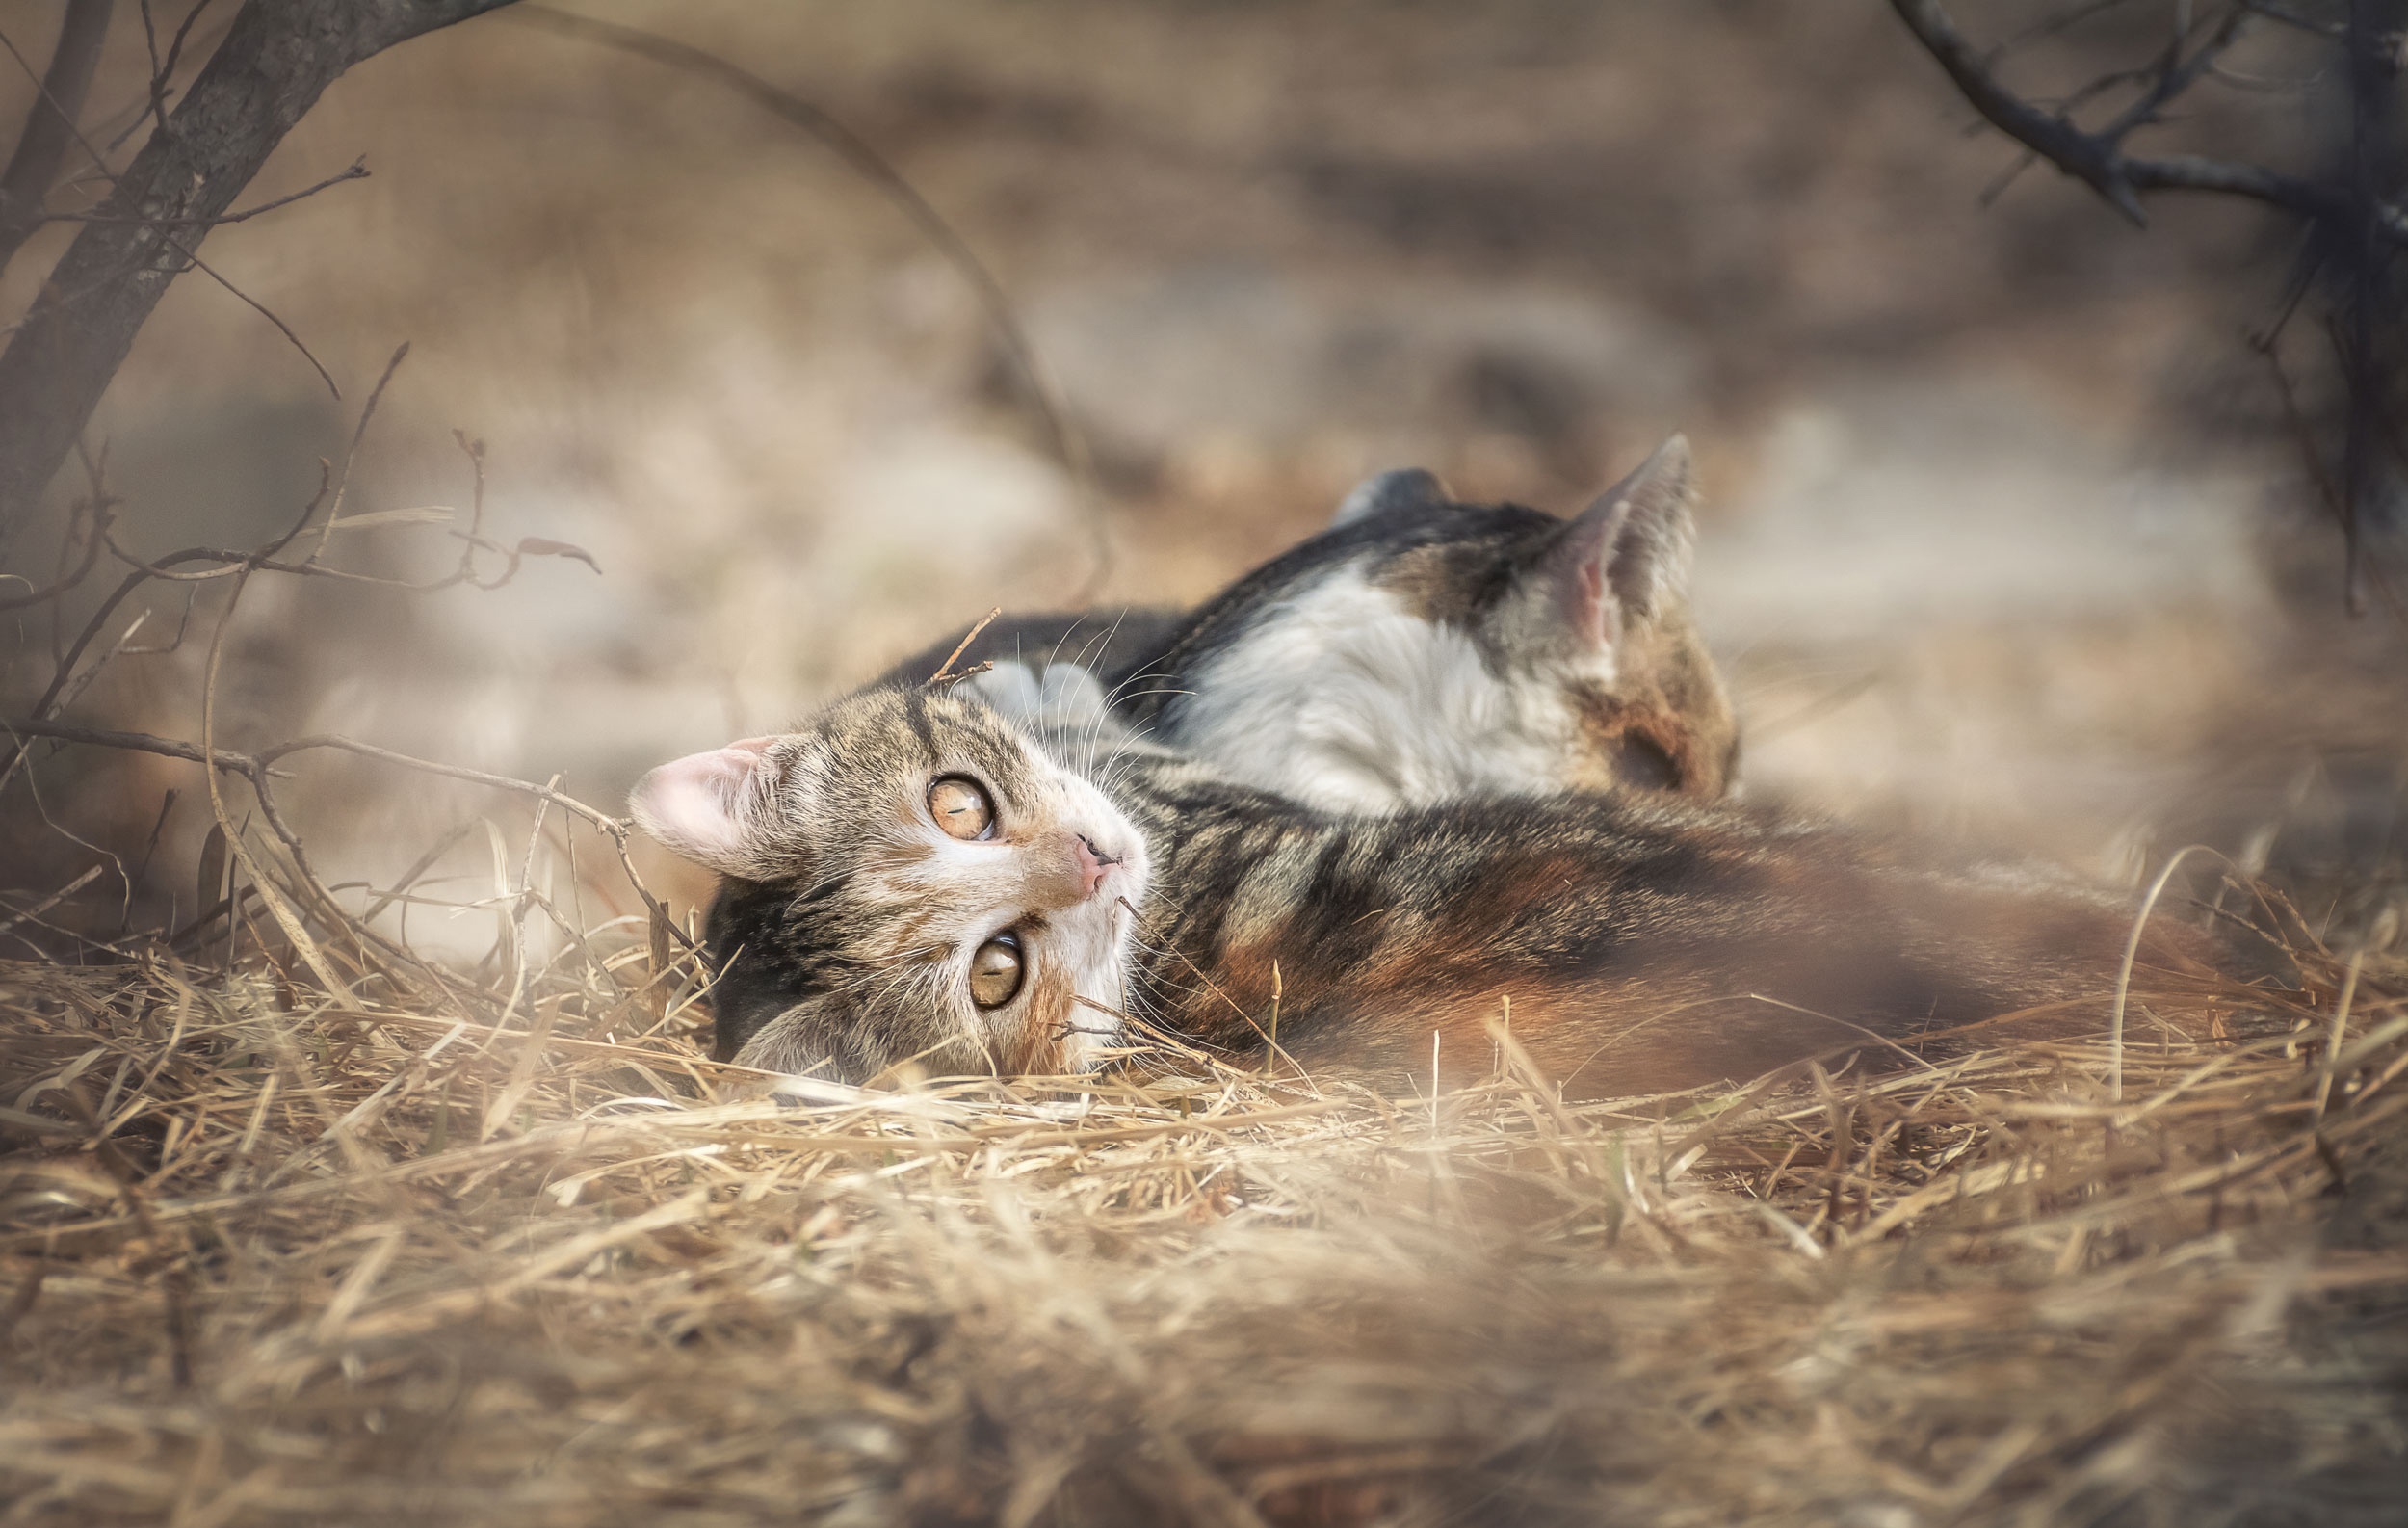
(1063, 712)
(1348, 700)
(1098, 935)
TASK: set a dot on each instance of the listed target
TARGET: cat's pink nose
(1092, 864)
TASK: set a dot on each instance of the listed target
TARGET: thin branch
(53, 697)
(50, 126)
(2097, 159)
(1068, 445)
(158, 83)
(351, 453)
(176, 46)
(357, 171)
(945, 671)
(2285, 15)
(161, 85)
(2175, 75)
(616, 826)
(132, 742)
(276, 59)
(258, 307)
(2050, 26)
(260, 767)
(92, 556)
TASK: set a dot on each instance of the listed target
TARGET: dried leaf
(422, 514)
(543, 546)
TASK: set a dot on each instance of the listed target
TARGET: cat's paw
(1011, 689)
(1064, 698)
(1069, 697)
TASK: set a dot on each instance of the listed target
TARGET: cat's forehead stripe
(916, 718)
(994, 753)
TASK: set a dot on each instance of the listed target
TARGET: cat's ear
(1627, 556)
(1406, 487)
(698, 806)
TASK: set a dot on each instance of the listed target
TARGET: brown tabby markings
(846, 928)
(1644, 947)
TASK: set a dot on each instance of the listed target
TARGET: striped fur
(844, 932)
(1422, 650)
(1644, 945)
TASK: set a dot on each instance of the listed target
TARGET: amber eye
(996, 971)
(1638, 762)
(962, 807)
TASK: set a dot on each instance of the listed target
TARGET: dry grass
(270, 1256)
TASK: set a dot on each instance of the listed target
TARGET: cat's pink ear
(1627, 554)
(697, 807)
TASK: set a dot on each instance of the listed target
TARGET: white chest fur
(1345, 699)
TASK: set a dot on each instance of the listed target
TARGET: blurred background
(2006, 536)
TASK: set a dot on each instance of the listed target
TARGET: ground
(463, 1227)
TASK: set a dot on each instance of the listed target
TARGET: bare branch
(83, 570)
(260, 767)
(161, 85)
(50, 126)
(2053, 138)
(2285, 15)
(616, 826)
(357, 171)
(260, 309)
(53, 697)
(1068, 445)
(2097, 159)
(133, 742)
(945, 671)
(2055, 22)
(176, 45)
(2175, 75)
(276, 59)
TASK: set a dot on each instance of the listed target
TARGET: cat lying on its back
(916, 877)
(1422, 649)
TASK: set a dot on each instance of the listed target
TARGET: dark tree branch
(357, 171)
(276, 59)
(2176, 74)
(50, 126)
(161, 84)
(136, 741)
(2285, 15)
(2097, 160)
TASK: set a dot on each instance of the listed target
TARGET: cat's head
(1421, 649)
(911, 877)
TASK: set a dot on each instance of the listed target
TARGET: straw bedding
(271, 1254)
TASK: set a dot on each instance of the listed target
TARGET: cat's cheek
(1125, 888)
(1047, 1017)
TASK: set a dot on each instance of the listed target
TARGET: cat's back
(1687, 942)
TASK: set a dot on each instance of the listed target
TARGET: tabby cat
(917, 878)
(1420, 650)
